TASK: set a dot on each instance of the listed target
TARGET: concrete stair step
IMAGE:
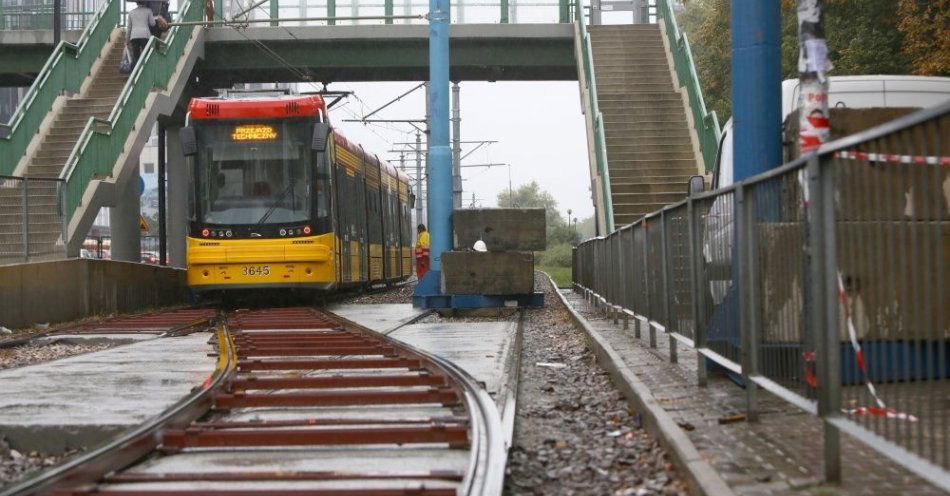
(663, 198)
(622, 86)
(674, 154)
(633, 114)
(677, 164)
(658, 169)
(666, 187)
(633, 80)
(46, 161)
(653, 127)
(625, 137)
(651, 143)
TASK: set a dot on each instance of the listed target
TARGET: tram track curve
(292, 381)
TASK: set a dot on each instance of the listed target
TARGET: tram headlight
(227, 233)
(206, 232)
(306, 229)
(283, 232)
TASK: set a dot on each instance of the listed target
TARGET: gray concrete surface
(778, 455)
(333, 459)
(85, 399)
(481, 348)
(380, 317)
(487, 273)
(124, 221)
(502, 229)
(65, 290)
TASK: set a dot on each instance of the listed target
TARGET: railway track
(303, 403)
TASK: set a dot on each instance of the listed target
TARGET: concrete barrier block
(502, 229)
(487, 273)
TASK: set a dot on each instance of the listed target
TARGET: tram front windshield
(253, 172)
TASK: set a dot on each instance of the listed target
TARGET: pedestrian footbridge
(73, 144)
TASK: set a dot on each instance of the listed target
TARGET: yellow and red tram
(282, 200)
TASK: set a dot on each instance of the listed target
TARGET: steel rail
(136, 443)
(480, 431)
(486, 473)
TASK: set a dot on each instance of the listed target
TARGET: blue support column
(756, 87)
(439, 160)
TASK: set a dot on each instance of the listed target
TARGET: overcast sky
(538, 125)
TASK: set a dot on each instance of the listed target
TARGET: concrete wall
(64, 290)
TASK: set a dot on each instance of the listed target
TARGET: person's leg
(138, 45)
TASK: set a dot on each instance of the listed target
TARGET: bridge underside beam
(480, 52)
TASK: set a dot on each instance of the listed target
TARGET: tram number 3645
(256, 270)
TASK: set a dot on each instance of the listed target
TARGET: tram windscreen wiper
(279, 202)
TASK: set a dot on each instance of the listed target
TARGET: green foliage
(531, 195)
(863, 38)
(561, 275)
(556, 256)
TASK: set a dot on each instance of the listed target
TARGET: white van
(844, 91)
(848, 92)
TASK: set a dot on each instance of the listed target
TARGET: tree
(863, 38)
(531, 195)
(926, 29)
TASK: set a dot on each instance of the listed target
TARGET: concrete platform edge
(704, 480)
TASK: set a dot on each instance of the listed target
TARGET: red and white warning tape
(894, 158)
(881, 410)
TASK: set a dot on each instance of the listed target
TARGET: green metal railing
(64, 71)
(707, 123)
(74, 16)
(103, 140)
(597, 120)
(463, 11)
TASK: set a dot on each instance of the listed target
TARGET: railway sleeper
(327, 350)
(444, 396)
(305, 422)
(299, 475)
(456, 436)
(329, 364)
(420, 490)
(257, 383)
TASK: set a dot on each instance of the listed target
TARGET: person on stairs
(139, 24)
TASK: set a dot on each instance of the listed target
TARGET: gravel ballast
(574, 432)
(31, 353)
(15, 465)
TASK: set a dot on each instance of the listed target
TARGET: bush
(556, 256)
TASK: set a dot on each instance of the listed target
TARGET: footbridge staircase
(77, 135)
(648, 127)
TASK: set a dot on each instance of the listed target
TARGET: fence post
(647, 280)
(274, 11)
(745, 241)
(504, 12)
(26, 219)
(696, 286)
(665, 262)
(563, 11)
(61, 209)
(388, 10)
(824, 312)
(331, 12)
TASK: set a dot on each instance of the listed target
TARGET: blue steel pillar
(756, 87)
(439, 160)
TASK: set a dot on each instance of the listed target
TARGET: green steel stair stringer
(706, 123)
(106, 153)
(596, 139)
(64, 72)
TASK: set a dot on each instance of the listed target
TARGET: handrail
(597, 120)
(96, 150)
(65, 70)
(706, 122)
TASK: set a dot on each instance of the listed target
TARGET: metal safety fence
(824, 282)
(31, 219)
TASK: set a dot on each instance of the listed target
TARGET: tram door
(344, 212)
